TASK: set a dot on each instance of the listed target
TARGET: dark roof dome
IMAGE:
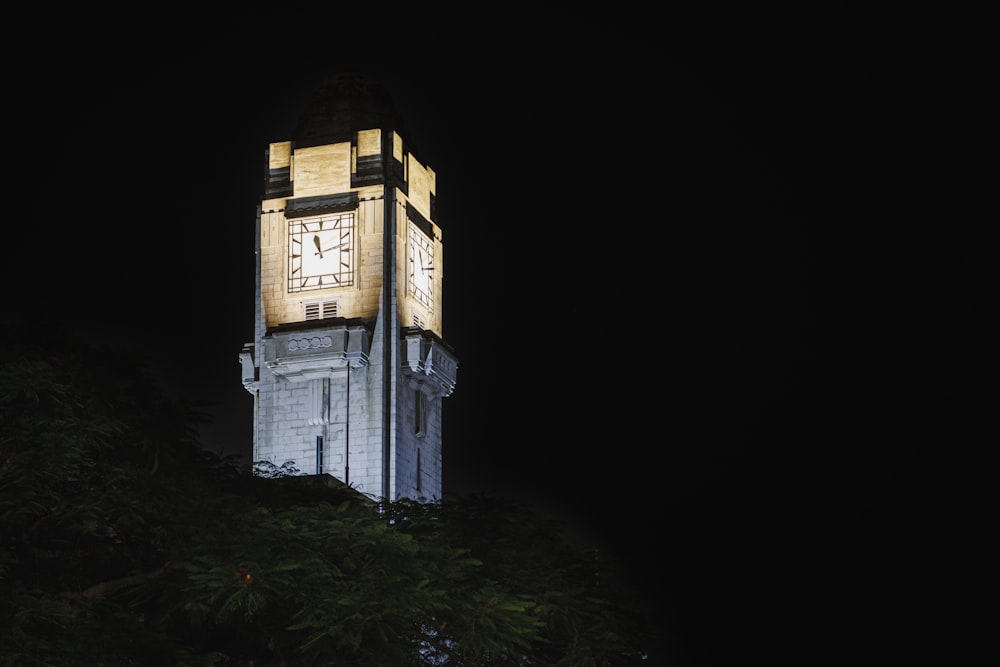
(341, 105)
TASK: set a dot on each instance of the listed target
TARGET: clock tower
(348, 367)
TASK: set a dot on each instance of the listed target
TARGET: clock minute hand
(333, 247)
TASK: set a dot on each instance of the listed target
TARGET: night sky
(714, 285)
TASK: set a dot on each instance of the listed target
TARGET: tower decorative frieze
(428, 360)
(298, 355)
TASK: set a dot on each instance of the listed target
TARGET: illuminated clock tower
(348, 367)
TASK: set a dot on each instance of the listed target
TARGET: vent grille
(320, 310)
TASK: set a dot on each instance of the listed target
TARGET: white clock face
(321, 252)
(421, 261)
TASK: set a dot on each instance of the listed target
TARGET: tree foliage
(125, 543)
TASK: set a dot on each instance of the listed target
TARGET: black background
(712, 281)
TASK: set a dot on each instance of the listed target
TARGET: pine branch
(103, 589)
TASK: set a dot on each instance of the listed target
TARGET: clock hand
(333, 247)
(318, 248)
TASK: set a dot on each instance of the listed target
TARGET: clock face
(321, 252)
(421, 259)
